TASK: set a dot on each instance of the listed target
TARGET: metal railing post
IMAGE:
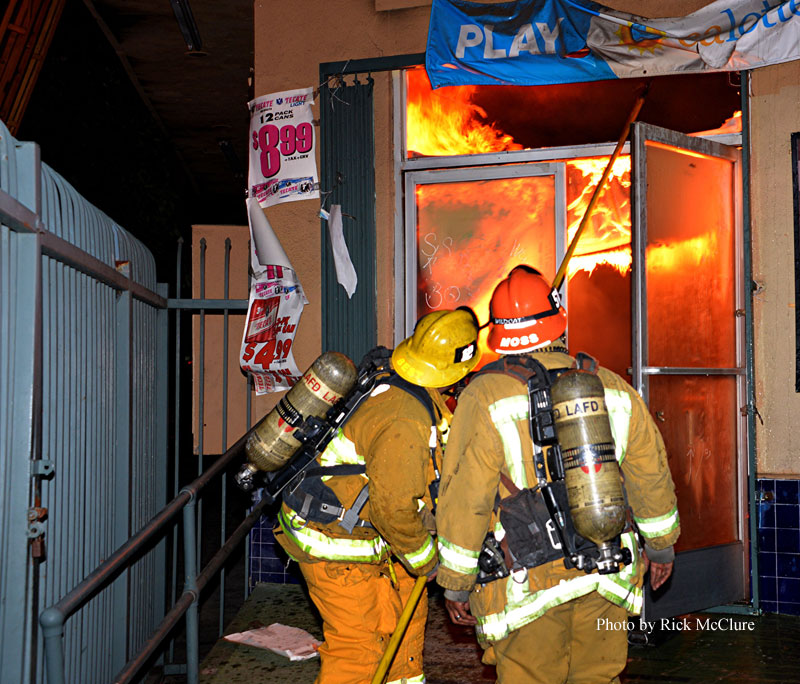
(201, 368)
(177, 447)
(224, 492)
(190, 585)
(52, 622)
(123, 440)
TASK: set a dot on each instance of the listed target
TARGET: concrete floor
(699, 655)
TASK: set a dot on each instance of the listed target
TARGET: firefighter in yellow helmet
(361, 523)
(538, 619)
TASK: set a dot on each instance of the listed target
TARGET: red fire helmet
(525, 313)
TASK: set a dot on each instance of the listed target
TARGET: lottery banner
(282, 163)
(276, 302)
(539, 42)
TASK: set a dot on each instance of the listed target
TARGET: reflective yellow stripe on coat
(522, 604)
(320, 545)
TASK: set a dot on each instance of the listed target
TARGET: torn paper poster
(265, 248)
(273, 312)
(282, 166)
(345, 271)
(292, 642)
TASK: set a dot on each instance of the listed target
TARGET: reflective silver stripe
(340, 450)
(457, 558)
(423, 555)
(505, 413)
(658, 526)
(320, 545)
(620, 410)
(523, 607)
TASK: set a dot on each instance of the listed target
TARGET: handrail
(52, 618)
(19, 218)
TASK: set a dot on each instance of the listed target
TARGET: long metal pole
(623, 136)
(52, 618)
(128, 673)
(400, 630)
(249, 403)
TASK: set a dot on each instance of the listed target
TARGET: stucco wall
(775, 107)
(352, 29)
(333, 31)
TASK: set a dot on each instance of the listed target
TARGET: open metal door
(688, 354)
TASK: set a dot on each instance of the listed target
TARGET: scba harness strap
(536, 521)
(314, 500)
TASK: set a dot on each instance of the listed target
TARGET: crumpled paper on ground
(292, 642)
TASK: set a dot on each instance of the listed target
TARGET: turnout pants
(360, 608)
(574, 643)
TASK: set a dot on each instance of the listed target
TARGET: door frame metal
(691, 562)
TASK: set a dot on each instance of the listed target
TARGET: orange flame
(682, 254)
(607, 237)
(445, 121)
(732, 124)
(503, 215)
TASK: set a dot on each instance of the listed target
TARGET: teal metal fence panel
(82, 411)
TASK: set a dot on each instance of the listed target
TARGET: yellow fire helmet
(442, 349)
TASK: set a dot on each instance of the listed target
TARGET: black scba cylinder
(591, 472)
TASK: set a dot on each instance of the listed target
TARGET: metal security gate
(83, 401)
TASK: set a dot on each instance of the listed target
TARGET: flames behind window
(470, 234)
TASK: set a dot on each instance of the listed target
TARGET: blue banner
(542, 42)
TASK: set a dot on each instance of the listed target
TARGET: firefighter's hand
(459, 613)
(659, 573)
(432, 574)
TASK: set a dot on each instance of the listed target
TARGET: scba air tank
(273, 442)
(591, 473)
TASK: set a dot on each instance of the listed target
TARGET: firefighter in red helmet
(360, 523)
(544, 601)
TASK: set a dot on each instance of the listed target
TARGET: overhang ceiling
(198, 96)
(151, 132)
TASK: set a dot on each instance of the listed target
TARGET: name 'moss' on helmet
(525, 313)
(441, 351)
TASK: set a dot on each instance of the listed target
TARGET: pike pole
(400, 630)
(623, 136)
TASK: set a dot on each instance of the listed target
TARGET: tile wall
(268, 562)
(779, 545)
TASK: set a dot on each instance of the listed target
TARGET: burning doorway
(658, 274)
